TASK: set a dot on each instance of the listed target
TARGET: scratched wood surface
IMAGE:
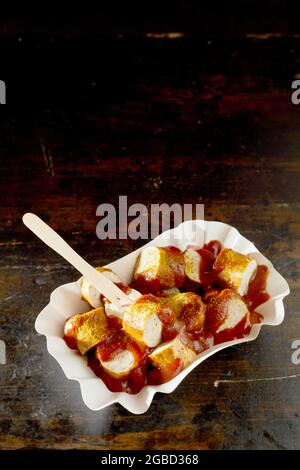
(160, 120)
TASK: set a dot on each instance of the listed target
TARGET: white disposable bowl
(66, 301)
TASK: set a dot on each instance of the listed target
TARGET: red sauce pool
(70, 342)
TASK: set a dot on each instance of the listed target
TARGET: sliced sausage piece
(189, 308)
(119, 354)
(141, 320)
(225, 310)
(159, 268)
(86, 330)
(121, 364)
(192, 259)
(234, 270)
(165, 354)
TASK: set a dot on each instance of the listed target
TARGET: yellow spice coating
(160, 268)
(168, 352)
(189, 308)
(88, 329)
(231, 266)
(139, 313)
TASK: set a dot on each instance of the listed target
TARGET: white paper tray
(66, 301)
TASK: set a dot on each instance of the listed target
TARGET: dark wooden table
(202, 120)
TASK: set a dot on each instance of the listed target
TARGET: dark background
(104, 101)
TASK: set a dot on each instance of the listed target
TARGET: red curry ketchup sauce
(255, 296)
(257, 293)
(160, 375)
(214, 247)
(170, 327)
(209, 253)
(70, 342)
(131, 383)
(207, 274)
(116, 342)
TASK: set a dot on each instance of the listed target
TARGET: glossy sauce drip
(214, 247)
(257, 294)
(208, 254)
(207, 274)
